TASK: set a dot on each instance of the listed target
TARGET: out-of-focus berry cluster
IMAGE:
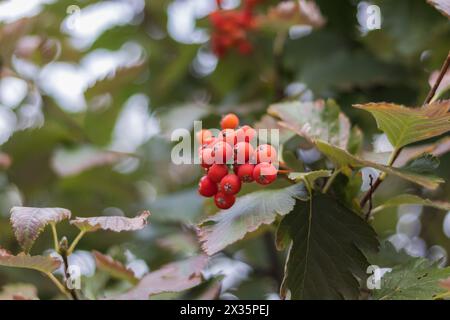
(231, 28)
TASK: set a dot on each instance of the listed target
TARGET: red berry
(206, 157)
(265, 173)
(217, 172)
(230, 184)
(245, 134)
(242, 152)
(206, 187)
(204, 136)
(229, 121)
(222, 152)
(224, 201)
(266, 153)
(245, 172)
(236, 168)
(228, 136)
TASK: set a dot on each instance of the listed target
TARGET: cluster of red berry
(231, 28)
(232, 149)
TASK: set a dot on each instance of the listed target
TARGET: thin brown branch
(394, 157)
(442, 73)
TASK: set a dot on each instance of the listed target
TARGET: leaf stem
(75, 242)
(331, 180)
(55, 237)
(58, 284)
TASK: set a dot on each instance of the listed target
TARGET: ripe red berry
(266, 153)
(229, 121)
(236, 168)
(242, 152)
(265, 173)
(204, 136)
(245, 134)
(224, 201)
(230, 184)
(245, 172)
(217, 172)
(228, 136)
(206, 187)
(206, 157)
(222, 152)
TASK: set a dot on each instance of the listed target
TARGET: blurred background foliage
(89, 98)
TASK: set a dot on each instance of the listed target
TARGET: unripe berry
(224, 201)
(206, 187)
(206, 157)
(266, 153)
(245, 172)
(228, 136)
(264, 173)
(229, 121)
(242, 152)
(204, 136)
(230, 184)
(217, 172)
(222, 152)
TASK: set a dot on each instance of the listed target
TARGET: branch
(442, 73)
(397, 152)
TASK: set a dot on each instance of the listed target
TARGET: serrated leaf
(442, 5)
(174, 277)
(404, 125)
(115, 268)
(309, 177)
(424, 164)
(341, 158)
(112, 223)
(45, 264)
(410, 199)
(417, 279)
(314, 120)
(388, 256)
(437, 149)
(28, 222)
(247, 215)
(326, 255)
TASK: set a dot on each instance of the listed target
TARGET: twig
(64, 254)
(58, 284)
(442, 73)
(370, 197)
(397, 152)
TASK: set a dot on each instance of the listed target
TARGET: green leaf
(341, 158)
(45, 264)
(410, 199)
(417, 279)
(388, 256)
(174, 277)
(113, 223)
(112, 82)
(28, 222)
(404, 125)
(326, 254)
(247, 215)
(424, 164)
(314, 120)
(309, 177)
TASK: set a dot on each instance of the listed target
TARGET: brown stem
(442, 73)
(394, 157)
